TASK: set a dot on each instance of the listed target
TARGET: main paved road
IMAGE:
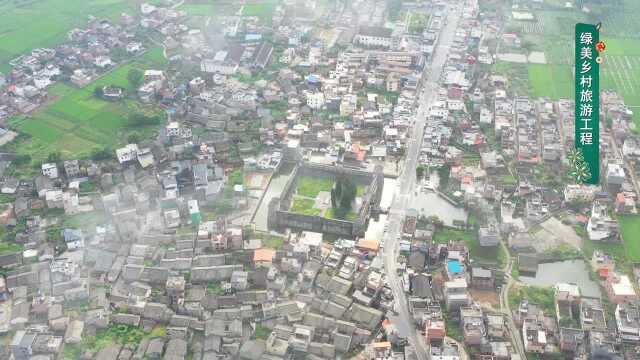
(404, 320)
(514, 332)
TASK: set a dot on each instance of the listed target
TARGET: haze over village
(314, 179)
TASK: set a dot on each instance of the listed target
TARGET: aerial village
(319, 180)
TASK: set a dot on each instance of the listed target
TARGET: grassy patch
(215, 288)
(273, 242)
(553, 81)
(453, 329)
(262, 332)
(186, 230)
(85, 221)
(630, 226)
(311, 186)
(7, 198)
(516, 73)
(236, 177)
(304, 206)
(470, 158)
(618, 251)
(120, 333)
(198, 9)
(564, 252)
(508, 179)
(540, 296)
(87, 187)
(515, 270)
(417, 22)
(158, 331)
(263, 10)
(9, 247)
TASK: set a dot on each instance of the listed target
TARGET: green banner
(586, 161)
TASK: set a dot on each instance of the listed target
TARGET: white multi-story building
(173, 129)
(153, 75)
(580, 192)
(315, 100)
(50, 170)
(127, 153)
(374, 36)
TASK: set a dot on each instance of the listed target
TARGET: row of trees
(342, 195)
(139, 119)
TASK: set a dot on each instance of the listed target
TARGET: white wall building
(50, 170)
(127, 153)
(315, 100)
(374, 36)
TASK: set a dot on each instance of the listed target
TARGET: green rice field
(29, 24)
(630, 226)
(553, 33)
(263, 10)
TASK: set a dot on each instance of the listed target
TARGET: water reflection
(570, 271)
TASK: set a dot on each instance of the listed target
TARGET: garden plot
(622, 73)
(532, 27)
(552, 32)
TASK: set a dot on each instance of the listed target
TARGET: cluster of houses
(581, 325)
(89, 52)
(166, 235)
(156, 237)
(439, 280)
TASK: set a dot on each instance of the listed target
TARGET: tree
(443, 173)
(342, 195)
(349, 192)
(608, 122)
(420, 171)
(334, 203)
(134, 76)
(139, 119)
(118, 54)
(54, 157)
(98, 92)
(133, 138)
(101, 154)
(223, 207)
(22, 159)
(578, 205)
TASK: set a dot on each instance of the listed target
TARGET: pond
(429, 203)
(568, 271)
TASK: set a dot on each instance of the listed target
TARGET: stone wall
(280, 217)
